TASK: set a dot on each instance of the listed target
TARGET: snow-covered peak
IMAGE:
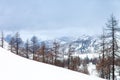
(84, 37)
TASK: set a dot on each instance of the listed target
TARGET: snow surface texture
(13, 67)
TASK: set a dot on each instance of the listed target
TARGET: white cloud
(56, 18)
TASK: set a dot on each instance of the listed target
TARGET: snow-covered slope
(5, 45)
(13, 67)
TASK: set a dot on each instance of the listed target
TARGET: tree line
(39, 51)
(107, 64)
(110, 50)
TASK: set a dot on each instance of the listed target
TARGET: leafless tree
(27, 46)
(70, 52)
(43, 51)
(112, 27)
(18, 42)
(12, 44)
(56, 46)
(2, 39)
(34, 45)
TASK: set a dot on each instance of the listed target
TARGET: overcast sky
(53, 18)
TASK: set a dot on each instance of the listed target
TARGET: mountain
(8, 38)
(14, 67)
(84, 44)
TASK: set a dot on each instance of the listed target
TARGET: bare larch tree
(112, 27)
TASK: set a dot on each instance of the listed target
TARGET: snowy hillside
(14, 67)
(5, 45)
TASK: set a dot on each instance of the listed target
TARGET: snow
(14, 67)
(90, 55)
(6, 45)
(92, 69)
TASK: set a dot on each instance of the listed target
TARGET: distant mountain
(8, 38)
(82, 45)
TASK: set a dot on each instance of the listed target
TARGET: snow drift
(13, 67)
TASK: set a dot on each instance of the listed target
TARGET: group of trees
(109, 53)
(109, 50)
(39, 51)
